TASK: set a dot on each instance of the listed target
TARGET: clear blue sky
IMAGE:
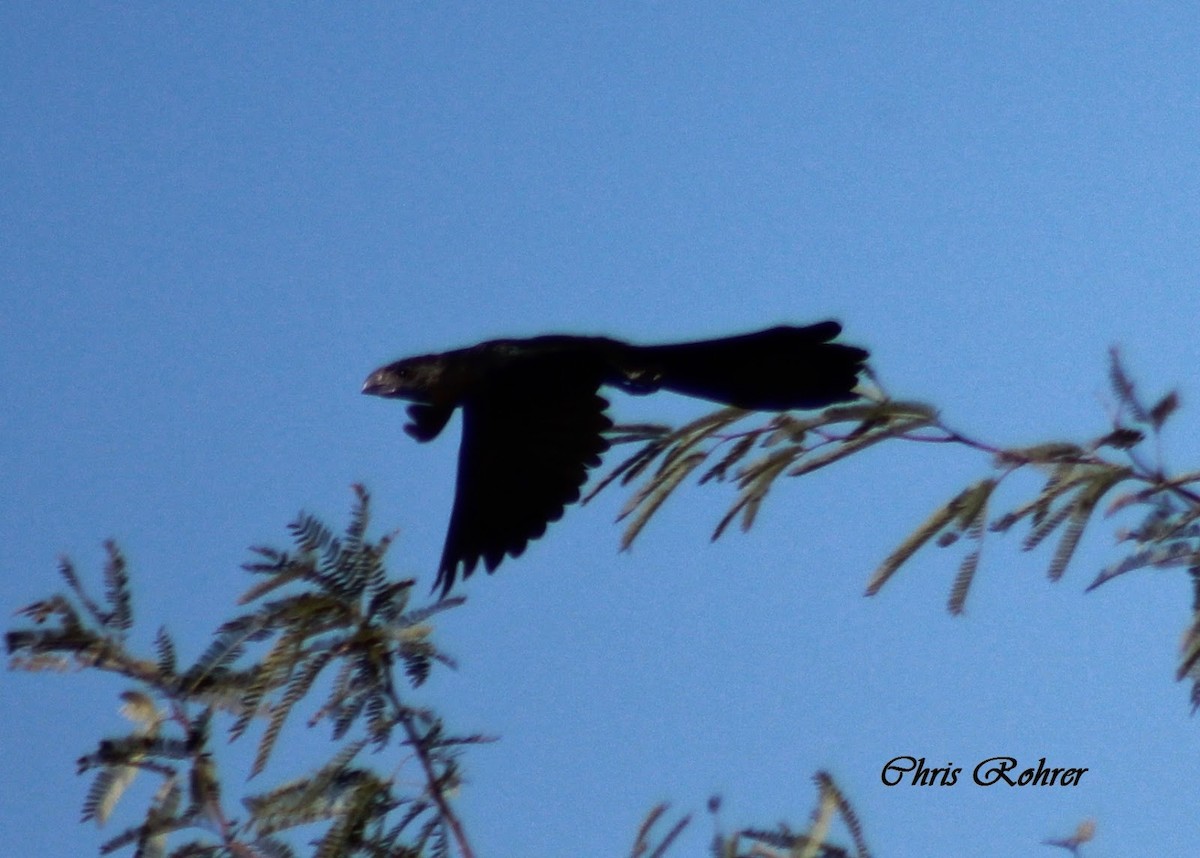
(217, 219)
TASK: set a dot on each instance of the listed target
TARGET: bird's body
(534, 422)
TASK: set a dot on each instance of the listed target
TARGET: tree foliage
(780, 842)
(1121, 468)
(325, 608)
(325, 628)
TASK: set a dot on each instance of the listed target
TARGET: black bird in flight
(533, 420)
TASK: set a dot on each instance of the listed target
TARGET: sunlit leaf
(929, 528)
(650, 502)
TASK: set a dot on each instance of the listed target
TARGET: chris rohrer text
(1004, 771)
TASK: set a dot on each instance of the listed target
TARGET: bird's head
(435, 384)
(417, 379)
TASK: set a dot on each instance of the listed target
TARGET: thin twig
(450, 818)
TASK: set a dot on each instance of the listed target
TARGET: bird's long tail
(775, 369)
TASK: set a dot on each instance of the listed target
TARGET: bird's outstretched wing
(529, 437)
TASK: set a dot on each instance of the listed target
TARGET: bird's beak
(378, 385)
